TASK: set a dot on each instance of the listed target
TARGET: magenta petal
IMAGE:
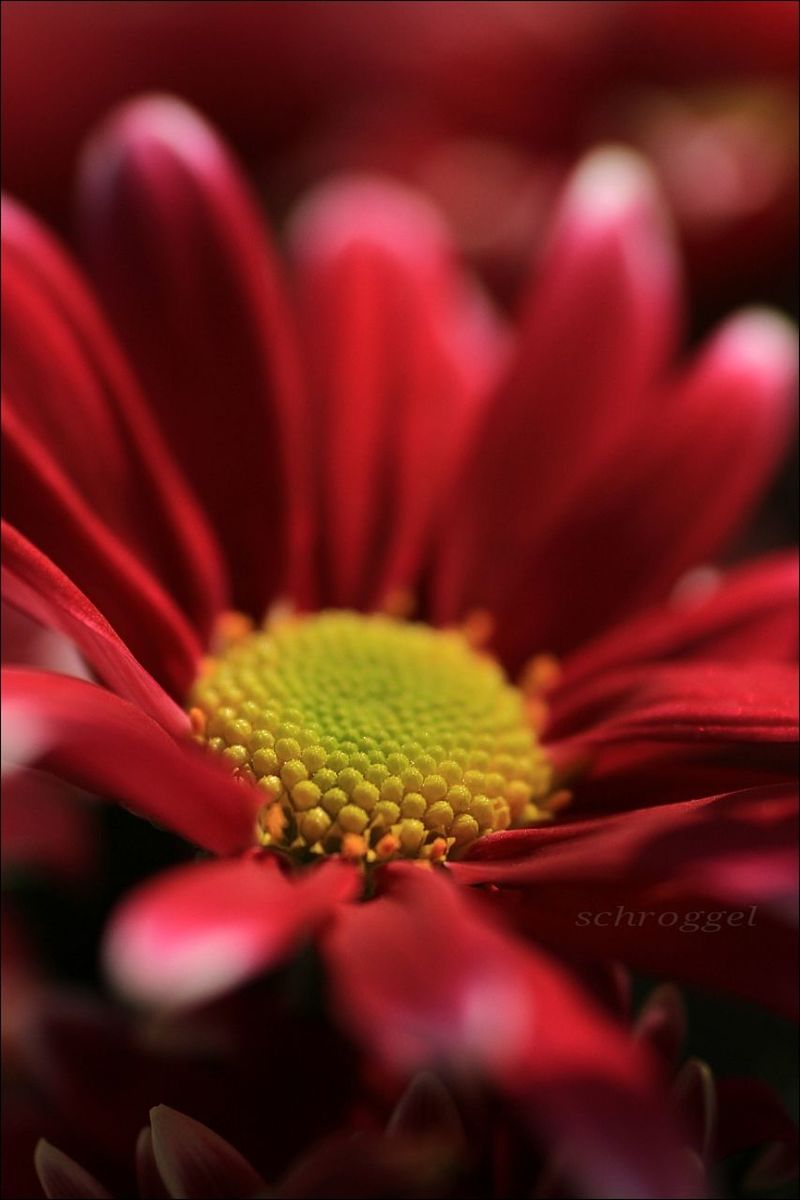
(92, 738)
(36, 586)
(180, 253)
(62, 1178)
(201, 929)
(196, 1163)
(420, 977)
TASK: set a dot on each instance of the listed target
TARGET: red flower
(561, 487)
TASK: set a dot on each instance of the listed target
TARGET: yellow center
(372, 737)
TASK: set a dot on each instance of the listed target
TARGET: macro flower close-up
(399, 683)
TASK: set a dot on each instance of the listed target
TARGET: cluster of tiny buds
(352, 791)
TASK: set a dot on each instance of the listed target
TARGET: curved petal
(661, 1024)
(148, 1178)
(27, 643)
(749, 613)
(178, 249)
(700, 890)
(197, 1163)
(60, 523)
(413, 1000)
(673, 496)
(401, 353)
(201, 929)
(64, 1179)
(68, 382)
(86, 735)
(702, 702)
(35, 585)
(595, 335)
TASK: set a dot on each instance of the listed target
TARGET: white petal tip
(761, 341)
(609, 182)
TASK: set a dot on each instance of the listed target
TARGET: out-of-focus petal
(420, 978)
(201, 929)
(64, 1179)
(36, 586)
(197, 1163)
(694, 1095)
(401, 353)
(752, 1114)
(595, 336)
(179, 251)
(92, 738)
(661, 1023)
(68, 382)
(365, 1166)
(27, 643)
(148, 1178)
(640, 885)
(673, 496)
(60, 522)
(46, 826)
(750, 613)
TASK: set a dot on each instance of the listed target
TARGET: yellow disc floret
(372, 737)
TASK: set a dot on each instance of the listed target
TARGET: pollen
(372, 737)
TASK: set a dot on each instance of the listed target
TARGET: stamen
(540, 674)
(372, 737)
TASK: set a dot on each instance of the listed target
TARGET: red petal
(197, 1163)
(180, 253)
(686, 862)
(26, 642)
(401, 354)
(47, 826)
(751, 612)
(68, 382)
(673, 496)
(90, 737)
(694, 703)
(595, 334)
(95, 559)
(463, 994)
(201, 929)
(63, 1179)
(37, 587)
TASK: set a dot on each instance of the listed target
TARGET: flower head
(560, 486)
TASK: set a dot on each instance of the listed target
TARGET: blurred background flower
(484, 105)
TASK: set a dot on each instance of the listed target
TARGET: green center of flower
(372, 737)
